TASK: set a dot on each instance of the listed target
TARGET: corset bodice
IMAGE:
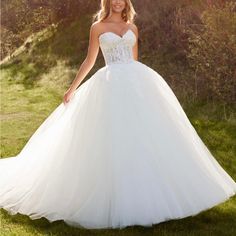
(117, 49)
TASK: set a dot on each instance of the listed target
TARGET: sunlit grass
(24, 109)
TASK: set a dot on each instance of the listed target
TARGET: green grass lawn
(23, 109)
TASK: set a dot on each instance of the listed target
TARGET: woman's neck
(116, 18)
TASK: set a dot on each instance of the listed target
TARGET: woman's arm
(87, 64)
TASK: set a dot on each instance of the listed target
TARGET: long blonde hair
(128, 13)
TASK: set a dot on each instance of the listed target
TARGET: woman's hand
(67, 96)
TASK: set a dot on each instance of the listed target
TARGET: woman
(119, 150)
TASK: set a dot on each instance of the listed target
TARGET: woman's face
(118, 5)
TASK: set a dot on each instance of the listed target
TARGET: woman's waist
(120, 62)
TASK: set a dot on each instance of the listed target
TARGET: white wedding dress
(121, 152)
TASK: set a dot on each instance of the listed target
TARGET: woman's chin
(117, 10)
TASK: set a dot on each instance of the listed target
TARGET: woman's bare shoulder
(133, 26)
(98, 27)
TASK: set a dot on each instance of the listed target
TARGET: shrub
(212, 53)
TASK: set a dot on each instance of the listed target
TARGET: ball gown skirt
(122, 152)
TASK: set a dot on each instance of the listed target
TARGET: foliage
(18, 21)
(21, 18)
(212, 54)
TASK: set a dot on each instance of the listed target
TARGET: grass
(23, 109)
(32, 85)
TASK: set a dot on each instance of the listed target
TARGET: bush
(22, 18)
(212, 54)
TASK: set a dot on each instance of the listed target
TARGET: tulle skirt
(121, 152)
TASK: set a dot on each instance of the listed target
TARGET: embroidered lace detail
(116, 49)
(120, 53)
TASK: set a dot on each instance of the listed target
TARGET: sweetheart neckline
(117, 34)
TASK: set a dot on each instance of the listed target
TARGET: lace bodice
(117, 49)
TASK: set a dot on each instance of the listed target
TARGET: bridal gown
(122, 152)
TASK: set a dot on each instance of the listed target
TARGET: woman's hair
(105, 11)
